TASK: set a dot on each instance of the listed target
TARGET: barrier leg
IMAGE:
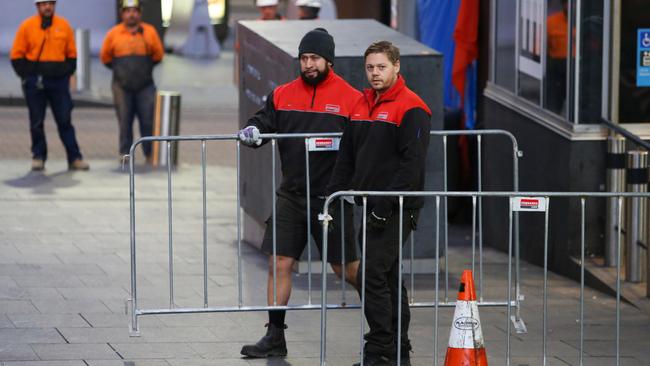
(399, 281)
(344, 271)
(275, 256)
(364, 229)
(435, 311)
(323, 308)
(509, 305)
(473, 234)
(205, 225)
(618, 281)
(170, 227)
(134, 329)
(480, 219)
(308, 199)
(545, 299)
(412, 298)
(446, 237)
(240, 297)
(582, 279)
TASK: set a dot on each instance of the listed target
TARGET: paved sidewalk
(64, 276)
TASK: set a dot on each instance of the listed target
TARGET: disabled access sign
(643, 58)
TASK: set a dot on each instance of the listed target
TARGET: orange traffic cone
(466, 346)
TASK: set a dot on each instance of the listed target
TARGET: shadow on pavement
(43, 183)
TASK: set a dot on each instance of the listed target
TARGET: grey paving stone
(48, 281)
(217, 350)
(155, 350)
(86, 293)
(47, 247)
(45, 363)
(127, 363)
(70, 306)
(5, 322)
(36, 258)
(20, 352)
(17, 307)
(20, 293)
(221, 362)
(99, 335)
(25, 336)
(47, 320)
(112, 320)
(179, 334)
(7, 281)
(74, 351)
(66, 269)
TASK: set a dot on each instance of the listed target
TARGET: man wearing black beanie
(318, 101)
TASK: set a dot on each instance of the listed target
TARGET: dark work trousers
(56, 93)
(382, 272)
(128, 104)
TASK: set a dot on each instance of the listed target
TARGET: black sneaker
(271, 345)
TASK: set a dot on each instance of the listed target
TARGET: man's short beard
(317, 80)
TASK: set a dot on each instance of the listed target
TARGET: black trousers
(128, 105)
(39, 92)
(382, 272)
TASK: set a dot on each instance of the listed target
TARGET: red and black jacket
(384, 147)
(297, 107)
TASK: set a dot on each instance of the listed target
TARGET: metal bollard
(615, 165)
(637, 209)
(166, 123)
(82, 40)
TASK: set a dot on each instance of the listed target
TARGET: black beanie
(318, 41)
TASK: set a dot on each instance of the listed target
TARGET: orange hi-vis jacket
(557, 28)
(132, 55)
(47, 52)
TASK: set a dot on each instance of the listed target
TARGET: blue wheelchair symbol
(645, 39)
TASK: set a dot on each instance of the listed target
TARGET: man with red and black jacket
(44, 56)
(384, 149)
(318, 101)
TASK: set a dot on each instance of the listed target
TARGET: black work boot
(405, 354)
(370, 359)
(271, 345)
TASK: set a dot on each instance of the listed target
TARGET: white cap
(310, 3)
(130, 4)
(42, 1)
(266, 3)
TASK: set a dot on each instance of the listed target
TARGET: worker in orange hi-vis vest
(557, 29)
(44, 56)
(132, 49)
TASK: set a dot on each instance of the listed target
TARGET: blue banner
(437, 21)
(643, 58)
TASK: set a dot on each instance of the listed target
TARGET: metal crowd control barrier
(309, 140)
(518, 202)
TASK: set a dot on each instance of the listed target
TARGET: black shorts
(291, 228)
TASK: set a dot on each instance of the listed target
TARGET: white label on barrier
(534, 204)
(324, 143)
